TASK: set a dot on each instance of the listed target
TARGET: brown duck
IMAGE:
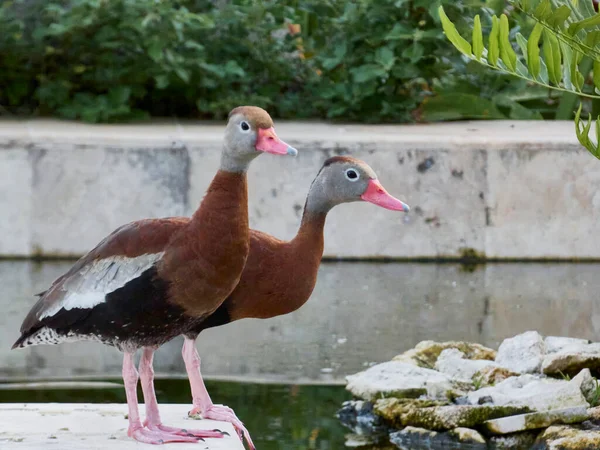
(279, 276)
(155, 279)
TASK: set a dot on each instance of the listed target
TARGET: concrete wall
(503, 189)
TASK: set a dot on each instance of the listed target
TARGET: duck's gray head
(249, 133)
(344, 179)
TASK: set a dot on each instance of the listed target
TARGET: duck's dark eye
(352, 174)
(244, 126)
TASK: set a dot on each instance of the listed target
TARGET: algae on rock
(426, 353)
(441, 418)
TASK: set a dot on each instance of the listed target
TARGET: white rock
(572, 359)
(467, 435)
(587, 384)
(523, 353)
(398, 379)
(533, 421)
(539, 394)
(452, 362)
(555, 344)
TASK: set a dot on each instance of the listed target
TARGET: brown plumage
(153, 279)
(279, 276)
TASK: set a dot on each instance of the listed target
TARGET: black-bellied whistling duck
(280, 276)
(154, 279)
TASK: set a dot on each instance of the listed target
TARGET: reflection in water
(278, 416)
(360, 313)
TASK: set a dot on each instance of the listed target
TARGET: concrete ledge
(70, 426)
(522, 190)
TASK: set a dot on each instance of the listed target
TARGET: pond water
(283, 376)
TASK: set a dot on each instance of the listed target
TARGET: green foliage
(569, 35)
(106, 60)
(365, 60)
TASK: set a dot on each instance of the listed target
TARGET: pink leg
(136, 431)
(203, 405)
(153, 421)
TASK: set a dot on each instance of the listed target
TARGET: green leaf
(508, 55)
(596, 73)
(414, 52)
(558, 17)
(367, 72)
(183, 74)
(543, 11)
(493, 45)
(459, 106)
(577, 79)
(552, 56)
(385, 57)
(161, 81)
(400, 32)
(590, 22)
(155, 50)
(477, 38)
(119, 95)
(583, 132)
(453, 36)
(533, 50)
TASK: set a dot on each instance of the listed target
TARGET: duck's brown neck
(310, 237)
(207, 261)
(225, 199)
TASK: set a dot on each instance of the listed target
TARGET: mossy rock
(392, 409)
(564, 437)
(441, 418)
(426, 353)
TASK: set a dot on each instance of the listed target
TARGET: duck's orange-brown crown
(257, 117)
(341, 159)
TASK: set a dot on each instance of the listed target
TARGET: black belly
(135, 315)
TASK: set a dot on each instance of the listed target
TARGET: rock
(518, 441)
(467, 435)
(368, 442)
(418, 438)
(594, 413)
(401, 380)
(555, 344)
(441, 418)
(588, 385)
(539, 394)
(452, 362)
(564, 437)
(358, 416)
(490, 376)
(392, 409)
(537, 420)
(523, 353)
(426, 353)
(572, 359)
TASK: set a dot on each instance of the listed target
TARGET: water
(360, 314)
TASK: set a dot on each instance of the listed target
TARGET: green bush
(365, 60)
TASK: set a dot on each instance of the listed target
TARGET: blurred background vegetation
(361, 60)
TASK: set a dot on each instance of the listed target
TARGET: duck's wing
(120, 258)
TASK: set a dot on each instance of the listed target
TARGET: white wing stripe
(93, 282)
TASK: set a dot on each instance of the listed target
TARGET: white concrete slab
(72, 426)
